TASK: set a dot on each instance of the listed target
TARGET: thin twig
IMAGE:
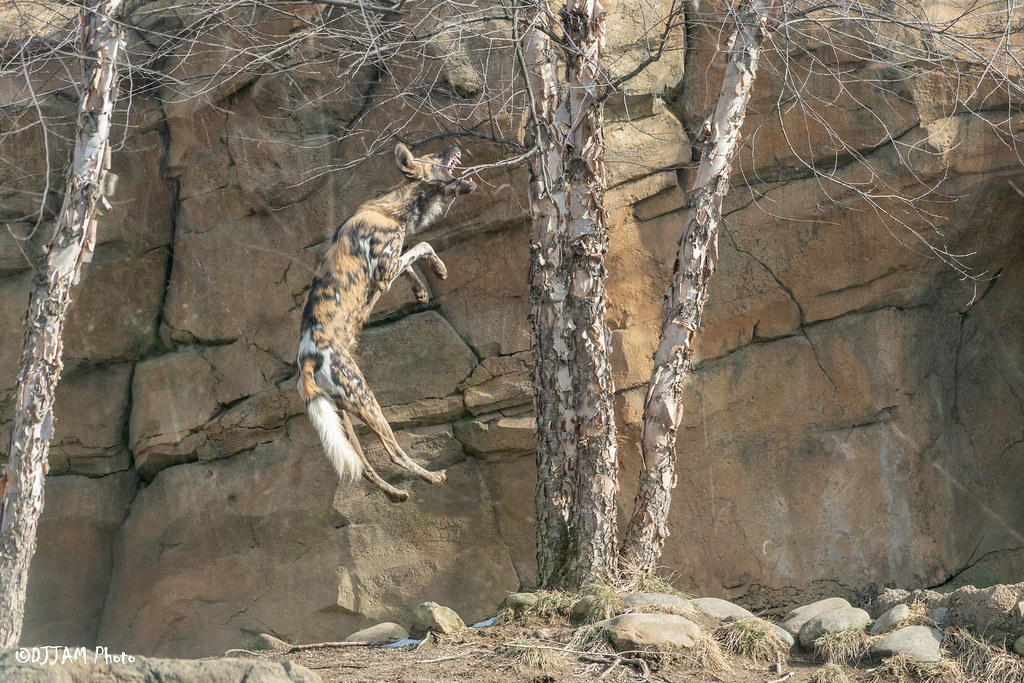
(467, 653)
(363, 7)
(17, 242)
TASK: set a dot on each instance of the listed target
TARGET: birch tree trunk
(576, 458)
(695, 264)
(556, 448)
(41, 361)
(593, 524)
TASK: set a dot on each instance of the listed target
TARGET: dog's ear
(406, 161)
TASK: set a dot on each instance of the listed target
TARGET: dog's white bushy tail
(340, 452)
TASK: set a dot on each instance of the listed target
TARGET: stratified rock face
(71, 568)
(217, 552)
(850, 418)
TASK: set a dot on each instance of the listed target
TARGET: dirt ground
(489, 655)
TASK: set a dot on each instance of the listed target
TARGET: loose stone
(657, 602)
(796, 618)
(833, 621)
(520, 602)
(918, 642)
(385, 632)
(662, 632)
(889, 620)
(720, 609)
(430, 616)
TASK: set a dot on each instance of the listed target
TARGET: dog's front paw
(440, 270)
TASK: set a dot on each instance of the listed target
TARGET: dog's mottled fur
(363, 260)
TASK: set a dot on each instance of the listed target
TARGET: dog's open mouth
(465, 184)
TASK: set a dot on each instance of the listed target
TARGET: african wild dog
(363, 260)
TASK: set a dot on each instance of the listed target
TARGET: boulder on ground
(796, 618)
(889, 620)
(721, 609)
(629, 632)
(921, 643)
(580, 610)
(986, 612)
(657, 602)
(833, 621)
(385, 632)
(784, 635)
(430, 616)
(520, 602)
(265, 641)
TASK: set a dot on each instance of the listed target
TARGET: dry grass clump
(830, 673)
(533, 655)
(632, 579)
(754, 638)
(604, 600)
(968, 660)
(918, 616)
(1003, 667)
(590, 638)
(645, 608)
(981, 661)
(842, 647)
(705, 657)
(549, 605)
(902, 668)
(968, 650)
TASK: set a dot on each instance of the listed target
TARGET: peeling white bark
(593, 524)
(552, 376)
(695, 263)
(42, 354)
(577, 459)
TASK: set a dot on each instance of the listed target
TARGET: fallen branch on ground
(640, 664)
(467, 653)
(340, 643)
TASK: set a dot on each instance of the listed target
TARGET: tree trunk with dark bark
(695, 264)
(576, 459)
(42, 354)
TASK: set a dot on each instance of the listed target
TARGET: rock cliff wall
(852, 418)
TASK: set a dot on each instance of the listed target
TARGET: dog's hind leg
(374, 419)
(354, 396)
(395, 495)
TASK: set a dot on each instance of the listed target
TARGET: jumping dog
(363, 260)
